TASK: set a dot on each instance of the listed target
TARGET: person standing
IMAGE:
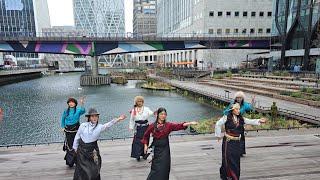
(160, 130)
(85, 144)
(231, 151)
(244, 108)
(70, 122)
(139, 123)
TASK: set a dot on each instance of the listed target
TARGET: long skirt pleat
(230, 168)
(161, 163)
(137, 148)
(88, 162)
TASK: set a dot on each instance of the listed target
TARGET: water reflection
(33, 108)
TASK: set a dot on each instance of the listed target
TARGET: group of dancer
(82, 149)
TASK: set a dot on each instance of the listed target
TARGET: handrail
(72, 35)
(171, 135)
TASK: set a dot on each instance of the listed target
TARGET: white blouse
(89, 133)
(143, 115)
(223, 120)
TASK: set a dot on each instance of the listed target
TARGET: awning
(183, 63)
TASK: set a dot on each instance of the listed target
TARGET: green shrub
(229, 74)
(285, 73)
(276, 73)
(218, 76)
(296, 94)
(286, 93)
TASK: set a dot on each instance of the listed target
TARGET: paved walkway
(270, 155)
(260, 99)
(11, 72)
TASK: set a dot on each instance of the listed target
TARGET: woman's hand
(263, 120)
(193, 123)
(219, 139)
(81, 100)
(122, 117)
(145, 148)
(190, 123)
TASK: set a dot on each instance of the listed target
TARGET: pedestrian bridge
(106, 45)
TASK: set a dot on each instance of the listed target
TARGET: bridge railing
(127, 36)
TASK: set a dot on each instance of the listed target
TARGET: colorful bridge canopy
(118, 47)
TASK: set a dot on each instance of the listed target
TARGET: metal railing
(185, 133)
(127, 36)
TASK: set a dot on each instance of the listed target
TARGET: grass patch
(208, 125)
(307, 94)
(223, 75)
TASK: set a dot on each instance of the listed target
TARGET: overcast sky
(61, 13)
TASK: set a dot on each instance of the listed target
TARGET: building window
(236, 31)
(211, 13)
(245, 14)
(261, 14)
(269, 14)
(268, 30)
(252, 31)
(210, 31)
(244, 31)
(228, 13)
(227, 31)
(220, 13)
(253, 14)
(219, 31)
(260, 31)
(236, 14)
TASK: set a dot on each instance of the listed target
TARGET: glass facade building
(145, 17)
(295, 27)
(17, 18)
(99, 17)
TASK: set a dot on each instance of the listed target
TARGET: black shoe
(145, 157)
(138, 159)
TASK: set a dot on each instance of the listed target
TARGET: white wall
(41, 12)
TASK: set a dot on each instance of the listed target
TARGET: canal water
(32, 109)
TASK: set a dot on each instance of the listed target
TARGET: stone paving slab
(281, 155)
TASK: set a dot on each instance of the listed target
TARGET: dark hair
(160, 110)
(75, 107)
(88, 120)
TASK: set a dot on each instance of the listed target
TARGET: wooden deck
(281, 155)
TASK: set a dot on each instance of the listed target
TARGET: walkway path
(260, 99)
(270, 155)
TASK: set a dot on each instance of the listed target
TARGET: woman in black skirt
(231, 150)
(160, 130)
(139, 123)
(70, 125)
(85, 143)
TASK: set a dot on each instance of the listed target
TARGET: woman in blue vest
(233, 123)
(70, 125)
(244, 107)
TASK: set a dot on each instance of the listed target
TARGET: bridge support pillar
(94, 79)
(94, 66)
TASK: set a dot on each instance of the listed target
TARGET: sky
(61, 13)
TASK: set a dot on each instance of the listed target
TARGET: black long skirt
(88, 162)
(70, 154)
(137, 148)
(230, 168)
(242, 144)
(161, 162)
